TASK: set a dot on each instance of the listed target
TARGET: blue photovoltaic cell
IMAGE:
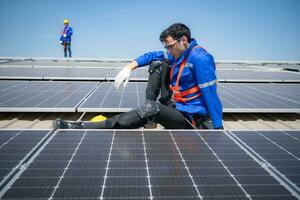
(54, 73)
(235, 97)
(14, 147)
(137, 164)
(68, 96)
(281, 149)
(22, 96)
(227, 73)
(108, 99)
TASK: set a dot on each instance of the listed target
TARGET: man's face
(176, 47)
(66, 24)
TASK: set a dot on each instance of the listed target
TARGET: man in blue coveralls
(65, 38)
(185, 78)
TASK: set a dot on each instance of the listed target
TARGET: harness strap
(178, 96)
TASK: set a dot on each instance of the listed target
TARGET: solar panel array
(15, 146)
(54, 73)
(251, 98)
(257, 76)
(41, 96)
(284, 66)
(139, 164)
(136, 164)
(69, 96)
(62, 63)
(141, 74)
(106, 98)
(280, 149)
(12, 62)
(235, 97)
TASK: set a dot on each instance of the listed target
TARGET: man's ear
(184, 39)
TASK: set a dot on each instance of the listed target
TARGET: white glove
(123, 75)
(60, 42)
(65, 35)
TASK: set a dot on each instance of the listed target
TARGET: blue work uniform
(69, 32)
(199, 70)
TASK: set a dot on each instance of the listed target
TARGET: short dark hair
(176, 31)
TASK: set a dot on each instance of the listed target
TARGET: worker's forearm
(133, 65)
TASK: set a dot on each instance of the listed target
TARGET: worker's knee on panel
(165, 64)
(155, 66)
(125, 120)
(148, 110)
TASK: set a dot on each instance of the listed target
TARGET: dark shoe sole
(56, 124)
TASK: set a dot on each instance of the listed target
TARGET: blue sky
(229, 29)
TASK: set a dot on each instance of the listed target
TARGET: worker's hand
(123, 75)
(61, 42)
(65, 35)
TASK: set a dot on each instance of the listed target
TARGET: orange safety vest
(180, 96)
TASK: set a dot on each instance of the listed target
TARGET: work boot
(62, 124)
(150, 125)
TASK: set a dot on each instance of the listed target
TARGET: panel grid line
(91, 92)
(214, 153)
(22, 94)
(240, 99)
(147, 167)
(24, 165)
(107, 166)
(104, 98)
(13, 137)
(253, 99)
(67, 167)
(68, 97)
(39, 94)
(283, 180)
(279, 146)
(272, 94)
(121, 98)
(284, 132)
(186, 167)
(145, 164)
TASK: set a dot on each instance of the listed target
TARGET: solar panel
(54, 73)
(285, 66)
(225, 75)
(140, 74)
(237, 73)
(22, 96)
(293, 67)
(260, 98)
(12, 61)
(15, 146)
(106, 98)
(79, 73)
(60, 62)
(136, 164)
(4, 61)
(280, 149)
(235, 66)
(21, 73)
(257, 76)
(235, 97)
(35, 96)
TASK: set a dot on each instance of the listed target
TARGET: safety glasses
(170, 47)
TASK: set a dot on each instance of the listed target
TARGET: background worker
(187, 69)
(65, 38)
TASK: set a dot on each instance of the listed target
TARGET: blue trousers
(67, 48)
